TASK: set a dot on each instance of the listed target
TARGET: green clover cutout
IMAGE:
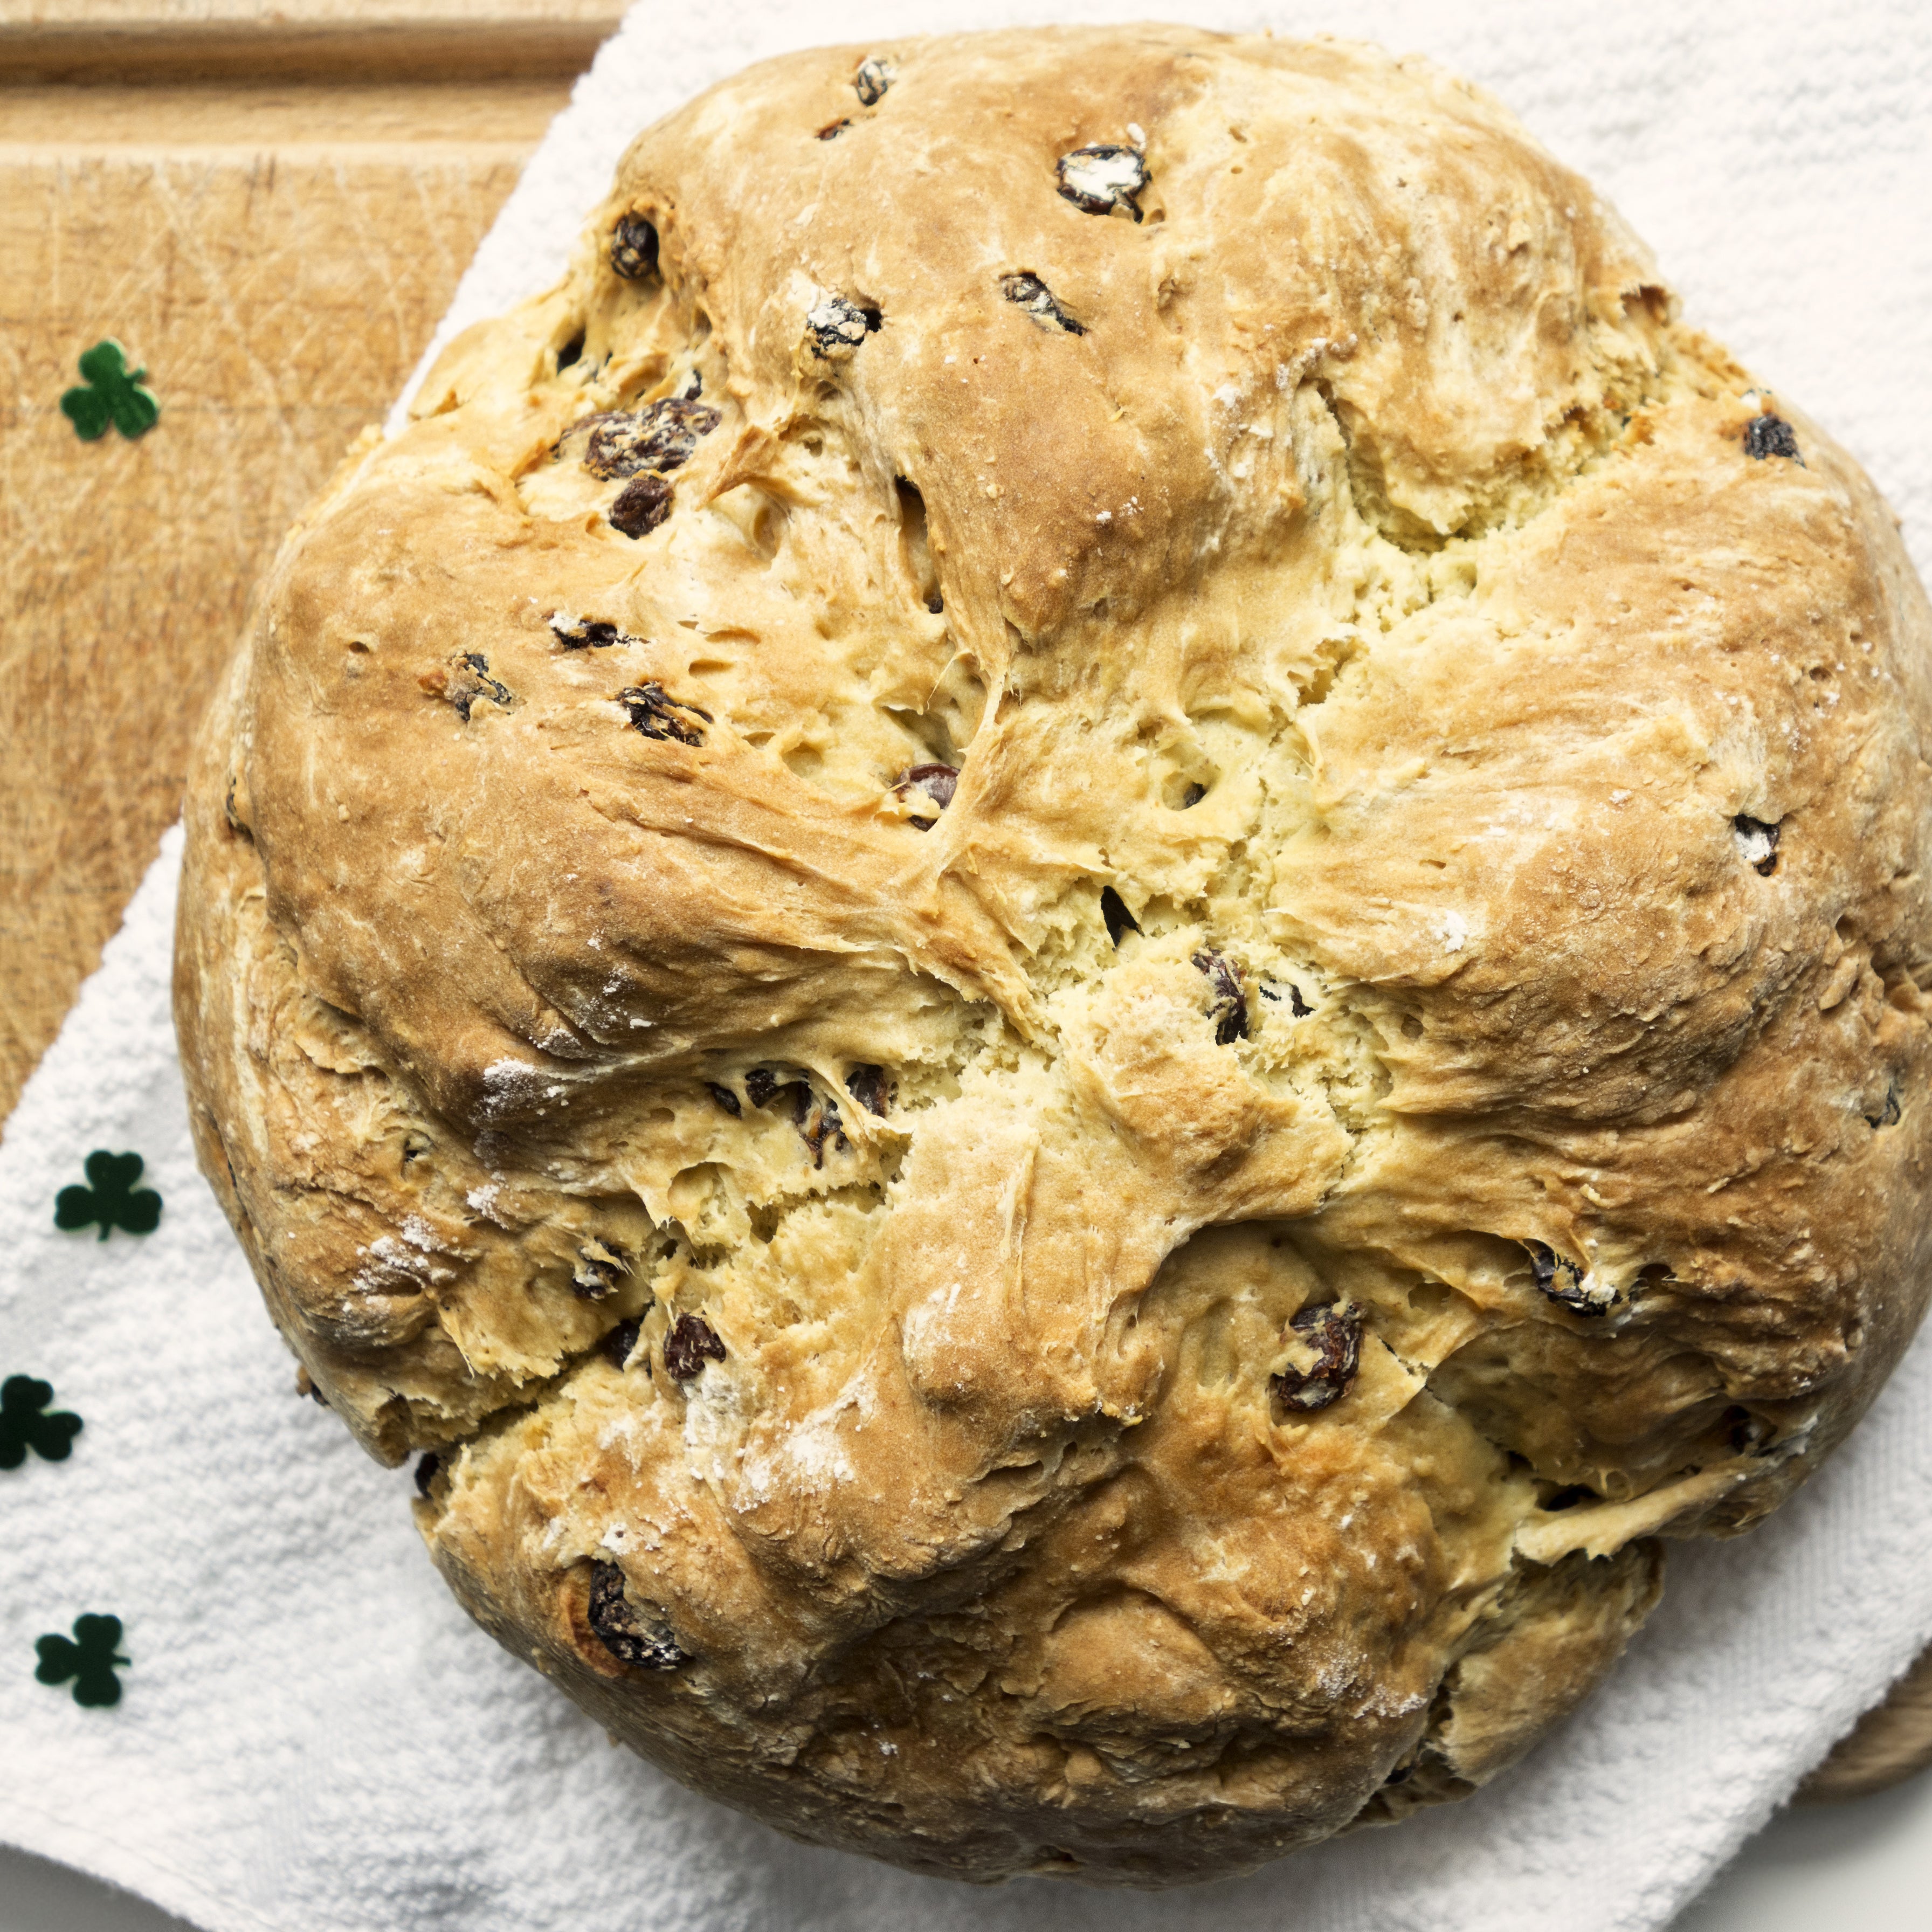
(22, 1427)
(113, 1201)
(89, 1660)
(113, 395)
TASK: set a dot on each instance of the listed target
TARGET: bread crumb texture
(1085, 931)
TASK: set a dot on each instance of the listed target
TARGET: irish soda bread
(1080, 935)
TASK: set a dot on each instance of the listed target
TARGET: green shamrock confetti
(113, 1201)
(89, 1660)
(22, 1427)
(113, 395)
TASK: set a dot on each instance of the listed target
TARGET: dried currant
(469, 681)
(818, 1122)
(634, 248)
(1296, 1005)
(616, 1346)
(833, 130)
(867, 1085)
(577, 634)
(654, 713)
(599, 1272)
(691, 1343)
(1029, 293)
(621, 442)
(761, 1084)
(834, 327)
(426, 1470)
(1770, 436)
(1335, 1336)
(939, 783)
(643, 504)
(871, 80)
(725, 1098)
(625, 1635)
(1564, 1282)
(1757, 842)
(1114, 911)
(1103, 179)
(1229, 1011)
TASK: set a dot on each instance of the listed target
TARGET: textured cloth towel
(312, 1735)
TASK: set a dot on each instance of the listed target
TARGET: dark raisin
(625, 1635)
(833, 130)
(599, 1272)
(570, 351)
(1560, 1280)
(426, 1469)
(1229, 1011)
(834, 327)
(643, 504)
(867, 1085)
(691, 1343)
(817, 1122)
(871, 80)
(1770, 436)
(1032, 295)
(470, 681)
(760, 1083)
(939, 783)
(577, 633)
(1887, 1116)
(1192, 796)
(1114, 911)
(1103, 179)
(694, 387)
(1335, 1334)
(1296, 1005)
(616, 1346)
(654, 713)
(662, 437)
(1758, 841)
(725, 1099)
(634, 248)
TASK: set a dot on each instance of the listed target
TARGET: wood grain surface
(270, 208)
(270, 213)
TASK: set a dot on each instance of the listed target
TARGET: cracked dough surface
(1120, 1312)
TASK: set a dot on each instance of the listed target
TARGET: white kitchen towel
(312, 1735)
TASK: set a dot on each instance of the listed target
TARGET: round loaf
(1083, 933)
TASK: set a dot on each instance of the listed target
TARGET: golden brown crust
(1119, 1315)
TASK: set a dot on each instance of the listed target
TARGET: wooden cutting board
(270, 209)
(271, 214)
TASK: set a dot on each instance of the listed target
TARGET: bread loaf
(1081, 935)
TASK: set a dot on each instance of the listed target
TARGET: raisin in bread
(1081, 935)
